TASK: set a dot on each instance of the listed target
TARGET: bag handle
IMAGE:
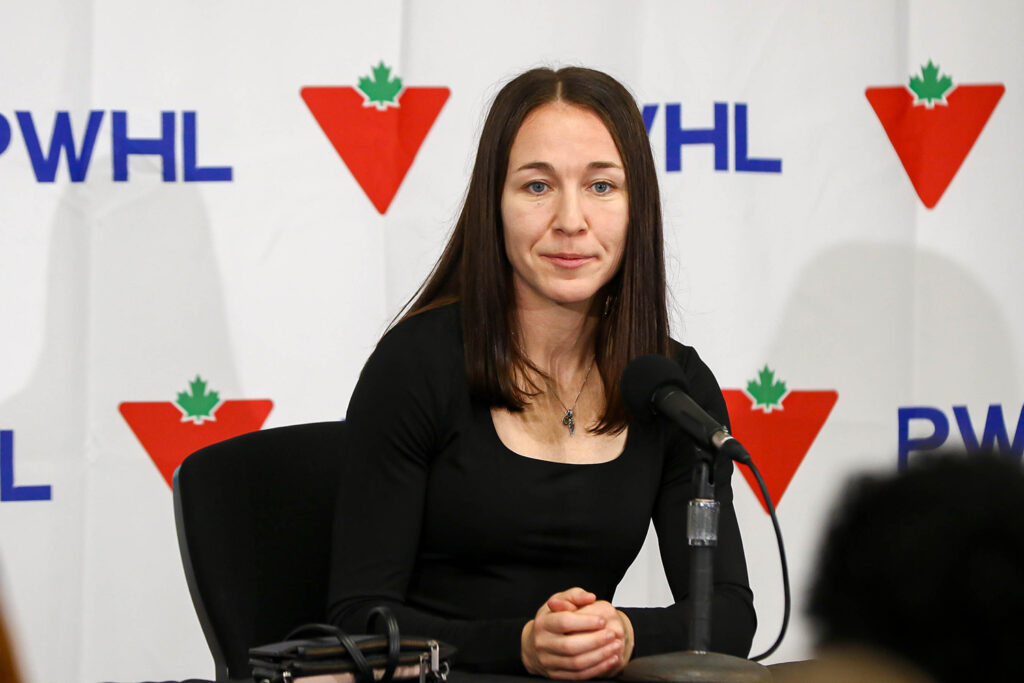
(364, 674)
(394, 638)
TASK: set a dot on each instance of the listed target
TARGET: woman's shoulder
(702, 385)
(420, 355)
(425, 337)
(441, 322)
(687, 358)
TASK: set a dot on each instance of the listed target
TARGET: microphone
(655, 385)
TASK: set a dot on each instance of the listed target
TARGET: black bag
(334, 651)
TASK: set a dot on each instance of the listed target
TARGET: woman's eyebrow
(536, 166)
(548, 168)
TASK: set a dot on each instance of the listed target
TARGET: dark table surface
(453, 677)
(782, 672)
(456, 677)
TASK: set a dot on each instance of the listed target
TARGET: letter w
(994, 432)
(62, 140)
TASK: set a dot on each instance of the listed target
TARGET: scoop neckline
(497, 438)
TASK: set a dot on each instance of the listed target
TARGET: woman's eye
(601, 187)
(537, 187)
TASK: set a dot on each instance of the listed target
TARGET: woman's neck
(559, 340)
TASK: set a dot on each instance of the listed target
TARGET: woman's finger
(575, 596)
(578, 652)
(556, 604)
(575, 644)
(570, 622)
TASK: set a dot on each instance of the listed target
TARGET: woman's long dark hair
(474, 269)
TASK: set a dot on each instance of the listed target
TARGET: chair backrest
(254, 516)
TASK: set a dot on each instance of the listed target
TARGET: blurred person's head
(928, 564)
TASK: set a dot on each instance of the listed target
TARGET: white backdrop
(264, 268)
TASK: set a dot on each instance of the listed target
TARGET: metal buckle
(431, 662)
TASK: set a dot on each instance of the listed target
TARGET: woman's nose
(570, 218)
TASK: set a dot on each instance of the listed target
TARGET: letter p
(938, 436)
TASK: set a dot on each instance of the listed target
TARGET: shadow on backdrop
(134, 309)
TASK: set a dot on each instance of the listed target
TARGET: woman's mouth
(567, 260)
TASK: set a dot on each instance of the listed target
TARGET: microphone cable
(782, 557)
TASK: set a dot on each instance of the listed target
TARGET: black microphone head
(645, 375)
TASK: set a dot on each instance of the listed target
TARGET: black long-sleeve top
(465, 539)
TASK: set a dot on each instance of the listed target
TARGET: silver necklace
(569, 419)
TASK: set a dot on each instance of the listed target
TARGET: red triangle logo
(378, 146)
(169, 438)
(932, 142)
(778, 440)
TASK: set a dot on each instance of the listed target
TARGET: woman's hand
(619, 624)
(575, 636)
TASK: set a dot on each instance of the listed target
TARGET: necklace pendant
(569, 422)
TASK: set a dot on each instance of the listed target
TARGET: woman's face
(564, 206)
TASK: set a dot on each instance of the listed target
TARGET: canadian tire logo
(170, 431)
(377, 127)
(932, 124)
(777, 425)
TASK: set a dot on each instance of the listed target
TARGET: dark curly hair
(928, 564)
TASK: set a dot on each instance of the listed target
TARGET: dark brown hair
(474, 269)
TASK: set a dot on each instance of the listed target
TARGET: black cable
(782, 557)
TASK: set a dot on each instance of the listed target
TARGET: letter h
(162, 146)
(676, 136)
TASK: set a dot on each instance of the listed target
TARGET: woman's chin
(578, 304)
(575, 297)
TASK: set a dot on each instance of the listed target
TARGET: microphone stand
(697, 664)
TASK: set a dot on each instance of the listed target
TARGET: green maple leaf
(766, 391)
(382, 90)
(199, 404)
(930, 87)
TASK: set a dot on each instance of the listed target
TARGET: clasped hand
(575, 636)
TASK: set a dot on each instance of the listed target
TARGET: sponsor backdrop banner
(210, 211)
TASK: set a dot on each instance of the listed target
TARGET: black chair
(254, 515)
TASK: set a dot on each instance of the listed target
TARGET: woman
(495, 491)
